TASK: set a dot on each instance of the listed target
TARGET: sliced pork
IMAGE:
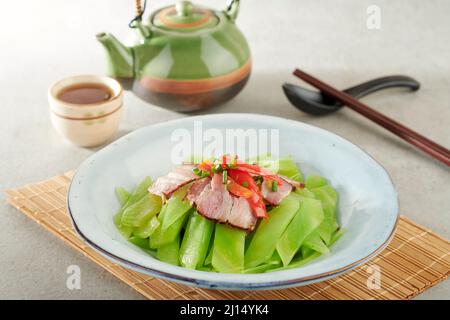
(196, 189)
(216, 203)
(275, 197)
(241, 215)
(178, 177)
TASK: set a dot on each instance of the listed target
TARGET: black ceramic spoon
(317, 103)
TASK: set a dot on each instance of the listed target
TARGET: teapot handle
(139, 12)
(136, 23)
(232, 9)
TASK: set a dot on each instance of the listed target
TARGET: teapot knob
(184, 8)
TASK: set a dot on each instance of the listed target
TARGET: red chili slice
(256, 170)
(241, 177)
(256, 201)
(224, 161)
(239, 190)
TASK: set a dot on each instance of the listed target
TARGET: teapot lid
(185, 17)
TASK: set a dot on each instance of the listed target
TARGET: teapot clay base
(188, 96)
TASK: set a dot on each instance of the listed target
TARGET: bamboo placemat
(415, 260)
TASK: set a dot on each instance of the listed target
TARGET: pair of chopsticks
(430, 147)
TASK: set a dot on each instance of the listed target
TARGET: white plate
(368, 205)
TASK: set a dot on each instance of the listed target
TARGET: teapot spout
(119, 57)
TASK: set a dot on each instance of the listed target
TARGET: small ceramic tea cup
(86, 125)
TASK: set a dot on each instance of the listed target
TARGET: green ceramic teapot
(187, 58)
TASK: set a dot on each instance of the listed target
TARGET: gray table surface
(43, 41)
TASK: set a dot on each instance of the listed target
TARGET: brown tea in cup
(85, 93)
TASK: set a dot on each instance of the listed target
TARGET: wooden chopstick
(428, 146)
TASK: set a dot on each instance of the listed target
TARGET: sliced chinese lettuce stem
(266, 236)
(176, 208)
(263, 268)
(208, 259)
(315, 242)
(139, 213)
(228, 249)
(301, 262)
(157, 232)
(196, 241)
(336, 236)
(308, 254)
(328, 196)
(249, 237)
(125, 231)
(272, 263)
(172, 219)
(142, 243)
(285, 166)
(162, 237)
(138, 193)
(288, 168)
(206, 268)
(304, 192)
(315, 181)
(305, 252)
(169, 252)
(122, 195)
(307, 219)
(147, 229)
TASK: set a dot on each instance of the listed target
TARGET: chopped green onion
(201, 173)
(225, 176)
(274, 186)
(258, 180)
(245, 184)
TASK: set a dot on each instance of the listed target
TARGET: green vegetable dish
(231, 216)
